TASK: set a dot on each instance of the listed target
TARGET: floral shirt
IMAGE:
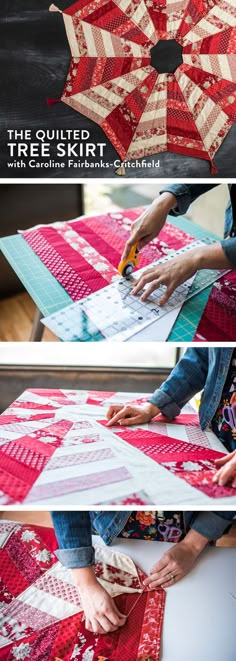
(155, 526)
(224, 420)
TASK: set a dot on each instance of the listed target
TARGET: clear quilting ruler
(117, 314)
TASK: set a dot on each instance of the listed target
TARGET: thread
(214, 168)
(54, 8)
(51, 102)
(135, 603)
(120, 171)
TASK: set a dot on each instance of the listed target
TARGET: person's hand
(101, 613)
(227, 470)
(176, 562)
(131, 415)
(150, 223)
(171, 274)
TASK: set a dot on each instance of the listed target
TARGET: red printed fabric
(164, 448)
(186, 419)
(22, 460)
(119, 76)
(41, 613)
(218, 322)
(189, 461)
(46, 453)
(83, 256)
(38, 439)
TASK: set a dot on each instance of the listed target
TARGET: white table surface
(200, 610)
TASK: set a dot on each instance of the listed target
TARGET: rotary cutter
(127, 265)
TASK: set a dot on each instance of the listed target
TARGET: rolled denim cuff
(229, 247)
(76, 558)
(163, 401)
(210, 525)
(183, 198)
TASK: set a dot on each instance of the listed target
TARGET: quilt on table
(41, 616)
(191, 462)
(83, 256)
(156, 76)
(49, 446)
(55, 444)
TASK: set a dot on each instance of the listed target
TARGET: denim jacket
(74, 531)
(187, 193)
(198, 368)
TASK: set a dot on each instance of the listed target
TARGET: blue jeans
(74, 536)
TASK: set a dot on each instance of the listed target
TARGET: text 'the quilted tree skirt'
(156, 76)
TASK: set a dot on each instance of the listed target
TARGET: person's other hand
(173, 566)
(150, 223)
(101, 613)
(227, 470)
(171, 274)
(176, 562)
(131, 415)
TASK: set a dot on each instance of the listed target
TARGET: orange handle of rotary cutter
(132, 259)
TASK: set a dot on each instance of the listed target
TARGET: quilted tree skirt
(41, 613)
(83, 256)
(55, 446)
(156, 76)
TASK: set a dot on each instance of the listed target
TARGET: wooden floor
(33, 518)
(16, 317)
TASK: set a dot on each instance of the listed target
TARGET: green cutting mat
(185, 326)
(49, 295)
(46, 292)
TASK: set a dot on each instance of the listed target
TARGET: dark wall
(14, 381)
(25, 205)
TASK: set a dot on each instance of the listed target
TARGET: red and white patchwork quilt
(155, 76)
(83, 256)
(55, 446)
(218, 321)
(41, 613)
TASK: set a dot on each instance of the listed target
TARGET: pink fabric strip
(185, 419)
(98, 261)
(103, 247)
(75, 268)
(80, 265)
(164, 448)
(62, 271)
(81, 483)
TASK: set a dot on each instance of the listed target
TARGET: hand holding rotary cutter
(127, 265)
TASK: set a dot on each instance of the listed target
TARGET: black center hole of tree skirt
(166, 56)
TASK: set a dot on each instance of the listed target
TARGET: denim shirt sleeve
(186, 194)
(185, 380)
(211, 525)
(229, 247)
(73, 533)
